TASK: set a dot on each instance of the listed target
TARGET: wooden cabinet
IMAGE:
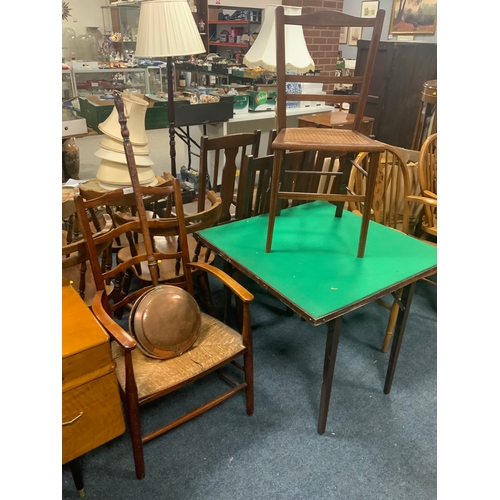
(91, 407)
(401, 68)
(122, 18)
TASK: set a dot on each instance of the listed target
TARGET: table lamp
(263, 52)
(166, 29)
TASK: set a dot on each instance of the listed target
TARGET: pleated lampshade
(167, 28)
(263, 52)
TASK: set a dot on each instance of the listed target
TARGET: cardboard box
(94, 110)
(213, 14)
(261, 100)
(240, 105)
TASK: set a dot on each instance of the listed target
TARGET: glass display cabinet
(68, 86)
(102, 81)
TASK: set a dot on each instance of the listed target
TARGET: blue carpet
(376, 446)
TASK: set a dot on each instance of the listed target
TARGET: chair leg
(273, 203)
(133, 417)
(248, 361)
(83, 275)
(370, 187)
(393, 316)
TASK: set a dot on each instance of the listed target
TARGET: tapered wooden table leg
(404, 311)
(76, 471)
(332, 342)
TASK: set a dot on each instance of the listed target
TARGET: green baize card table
(313, 268)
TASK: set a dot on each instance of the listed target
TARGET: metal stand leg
(404, 310)
(332, 342)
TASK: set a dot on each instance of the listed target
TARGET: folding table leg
(332, 342)
(403, 313)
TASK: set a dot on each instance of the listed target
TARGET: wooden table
(91, 407)
(314, 270)
(336, 119)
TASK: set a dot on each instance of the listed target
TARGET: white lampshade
(112, 175)
(263, 52)
(167, 28)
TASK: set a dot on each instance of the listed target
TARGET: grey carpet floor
(376, 446)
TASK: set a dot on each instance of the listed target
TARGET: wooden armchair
(427, 176)
(144, 377)
(390, 208)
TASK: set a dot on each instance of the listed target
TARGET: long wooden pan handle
(136, 186)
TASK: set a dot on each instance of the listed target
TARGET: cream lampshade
(112, 175)
(140, 161)
(117, 146)
(135, 112)
(263, 52)
(166, 29)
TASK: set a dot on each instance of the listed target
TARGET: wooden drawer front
(101, 421)
(80, 367)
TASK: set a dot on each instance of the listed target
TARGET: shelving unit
(250, 20)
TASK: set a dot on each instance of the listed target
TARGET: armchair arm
(240, 291)
(424, 200)
(113, 328)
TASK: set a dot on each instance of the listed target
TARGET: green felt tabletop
(314, 263)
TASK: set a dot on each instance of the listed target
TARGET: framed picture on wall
(343, 34)
(415, 17)
(354, 36)
(369, 9)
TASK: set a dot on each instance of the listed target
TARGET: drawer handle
(74, 420)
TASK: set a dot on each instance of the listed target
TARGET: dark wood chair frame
(344, 144)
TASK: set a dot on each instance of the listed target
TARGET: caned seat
(341, 144)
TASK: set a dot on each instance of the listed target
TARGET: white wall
(85, 13)
(353, 7)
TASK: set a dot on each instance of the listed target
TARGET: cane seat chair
(144, 378)
(345, 144)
